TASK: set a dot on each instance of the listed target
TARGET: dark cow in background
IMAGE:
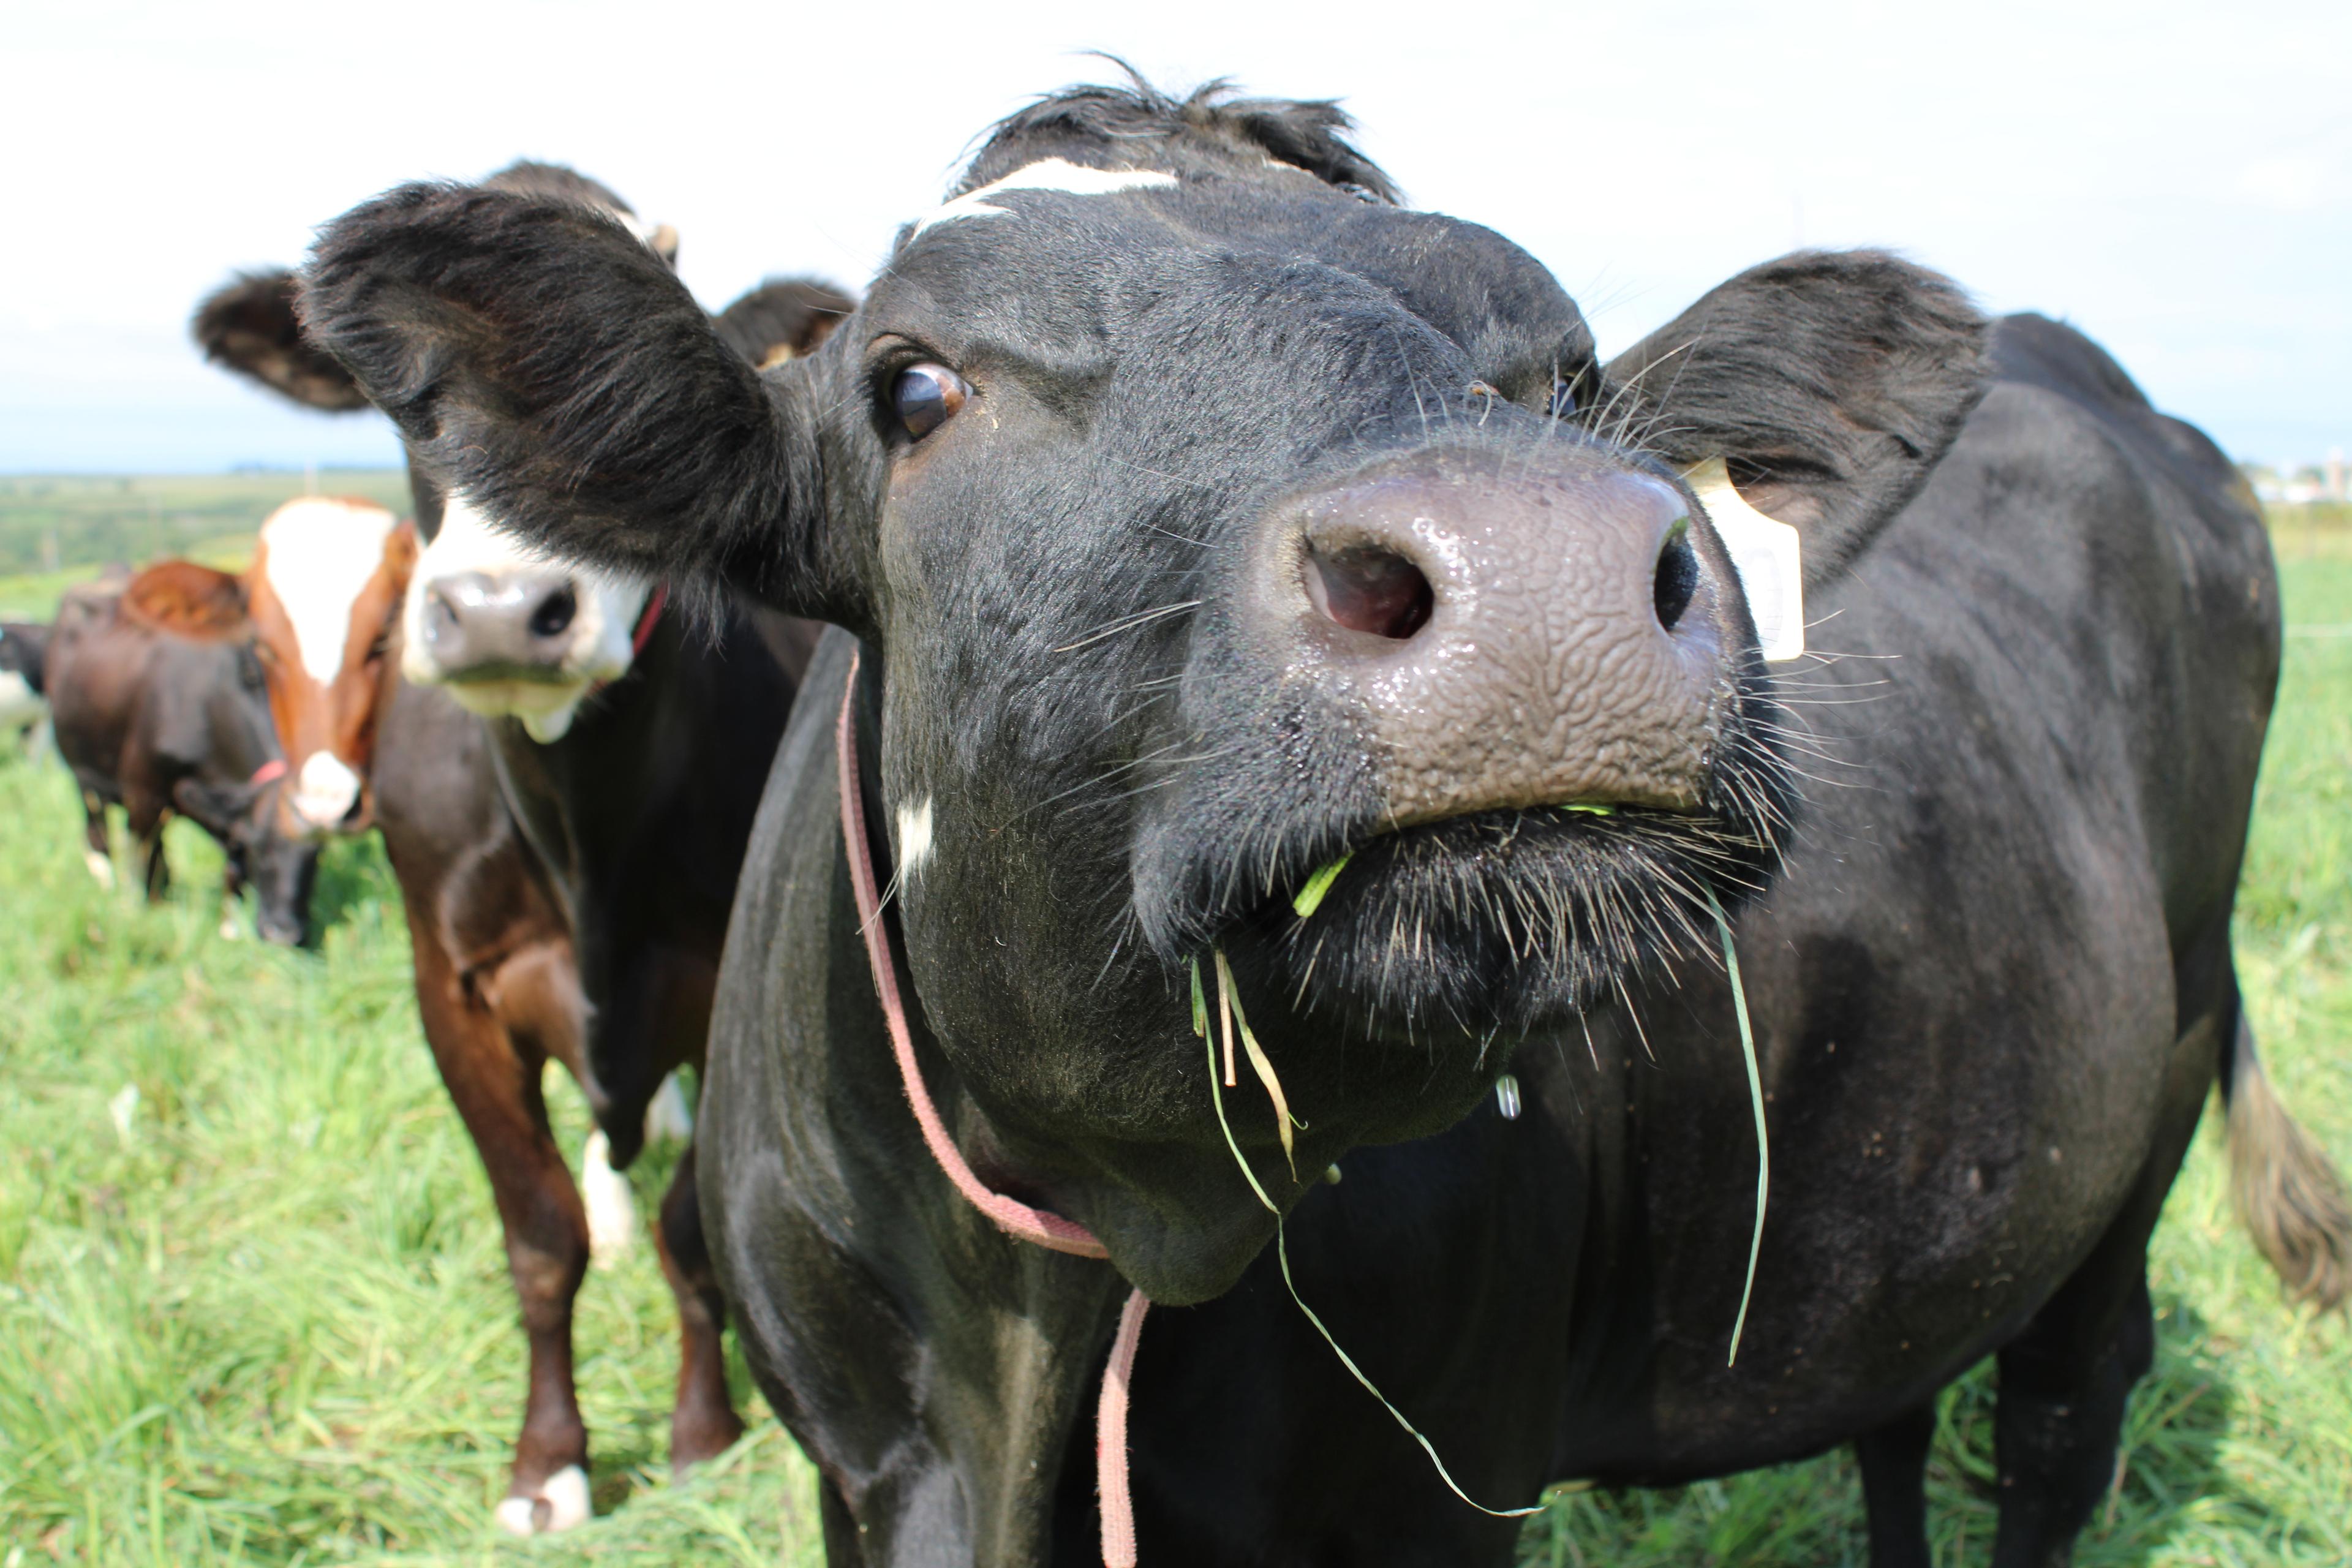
(23, 704)
(1207, 523)
(158, 703)
(567, 775)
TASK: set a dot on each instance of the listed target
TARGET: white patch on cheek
(1045, 174)
(914, 838)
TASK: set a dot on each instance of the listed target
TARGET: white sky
(2176, 180)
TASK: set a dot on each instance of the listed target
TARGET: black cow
(1208, 521)
(566, 778)
(158, 705)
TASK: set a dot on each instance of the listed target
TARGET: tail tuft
(2286, 1191)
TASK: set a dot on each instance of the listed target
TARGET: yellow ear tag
(1766, 554)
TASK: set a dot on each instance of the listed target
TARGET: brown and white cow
(326, 583)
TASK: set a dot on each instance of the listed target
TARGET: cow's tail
(2285, 1189)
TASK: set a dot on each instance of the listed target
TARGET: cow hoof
(231, 928)
(560, 1503)
(100, 868)
(611, 1208)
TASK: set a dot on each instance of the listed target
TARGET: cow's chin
(1476, 931)
(544, 707)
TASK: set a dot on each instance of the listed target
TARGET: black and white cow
(565, 777)
(22, 705)
(1205, 522)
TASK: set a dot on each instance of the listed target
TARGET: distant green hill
(51, 523)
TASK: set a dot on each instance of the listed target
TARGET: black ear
(783, 318)
(1829, 383)
(544, 363)
(248, 325)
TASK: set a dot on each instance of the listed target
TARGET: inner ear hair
(249, 326)
(188, 600)
(1829, 382)
(783, 318)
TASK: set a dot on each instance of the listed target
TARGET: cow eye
(925, 396)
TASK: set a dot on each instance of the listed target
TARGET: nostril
(1368, 589)
(1677, 575)
(440, 615)
(554, 613)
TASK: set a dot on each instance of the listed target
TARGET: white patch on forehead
(318, 555)
(1047, 174)
(914, 838)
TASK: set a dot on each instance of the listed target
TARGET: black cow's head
(1211, 518)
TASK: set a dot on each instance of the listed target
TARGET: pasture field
(252, 1305)
(88, 519)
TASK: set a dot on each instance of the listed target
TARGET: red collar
(647, 621)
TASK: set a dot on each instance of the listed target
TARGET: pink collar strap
(269, 771)
(648, 621)
(1014, 1218)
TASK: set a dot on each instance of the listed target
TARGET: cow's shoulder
(2032, 350)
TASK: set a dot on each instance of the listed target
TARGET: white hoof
(560, 1504)
(231, 928)
(100, 868)
(611, 1208)
(668, 1117)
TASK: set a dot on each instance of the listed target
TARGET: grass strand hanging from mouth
(1229, 1000)
(1756, 1098)
(1281, 1255)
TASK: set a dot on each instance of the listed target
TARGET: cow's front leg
(489, 1043)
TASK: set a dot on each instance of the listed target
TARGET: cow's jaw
(469, 569)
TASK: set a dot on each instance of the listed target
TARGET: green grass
(54, 522)
(271, 1323)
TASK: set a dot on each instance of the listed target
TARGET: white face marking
(1047, 174)
(914, 838)
(325, 790)
(318, 554)
(610, 605)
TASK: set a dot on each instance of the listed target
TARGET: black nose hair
(1509, 632)
(482, 622)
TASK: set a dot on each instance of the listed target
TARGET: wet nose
(486, 623)
(1512, 634)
